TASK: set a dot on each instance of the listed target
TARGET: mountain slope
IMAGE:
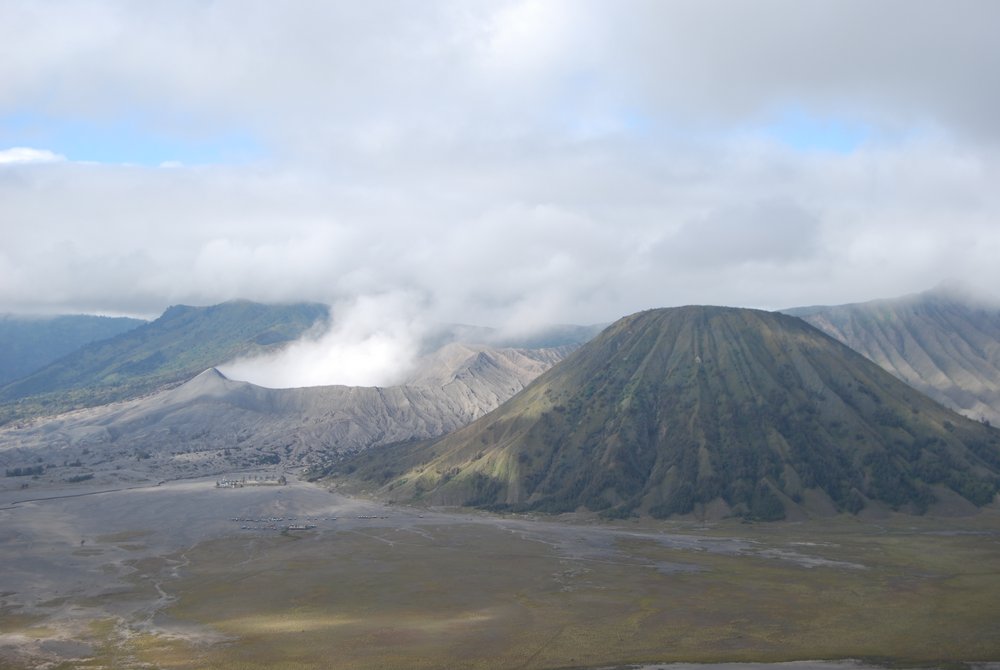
(28, 343)
(176, 346)
(696, 408)
(213, 424)
(940, 342)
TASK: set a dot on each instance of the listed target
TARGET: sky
(497, 163)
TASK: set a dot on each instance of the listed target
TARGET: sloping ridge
(942, 342)
(178, 345)
(704, 408)
(28, 343)
(210, 383)
(230, 423)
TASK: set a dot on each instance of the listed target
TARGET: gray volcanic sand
(64, 543)
(73, 559)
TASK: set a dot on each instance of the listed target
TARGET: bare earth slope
(212, 424)
(940, 342)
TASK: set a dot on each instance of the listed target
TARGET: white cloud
(506, 163)
(27, 155)
(766, 231)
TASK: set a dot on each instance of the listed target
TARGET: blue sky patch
(127, 141)
(805, 132)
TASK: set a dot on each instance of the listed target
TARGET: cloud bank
(499, 163)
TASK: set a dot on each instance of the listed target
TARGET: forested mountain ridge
(28, 343)
(178, 345)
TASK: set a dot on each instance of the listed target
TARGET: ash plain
(111, 577)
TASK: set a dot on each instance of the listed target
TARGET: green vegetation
(670, 412)
(183, 342)
(76, 479)
(26, 471)
(29, 343)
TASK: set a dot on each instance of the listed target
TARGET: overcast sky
(497, 163)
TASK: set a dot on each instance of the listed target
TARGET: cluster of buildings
(251, 480)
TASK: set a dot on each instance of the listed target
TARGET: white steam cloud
(370, 341)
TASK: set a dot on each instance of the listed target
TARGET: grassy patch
(481, 596)
(473, 596)
(38, 632)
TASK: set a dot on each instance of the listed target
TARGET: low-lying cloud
(514, 246)
(505, 164)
